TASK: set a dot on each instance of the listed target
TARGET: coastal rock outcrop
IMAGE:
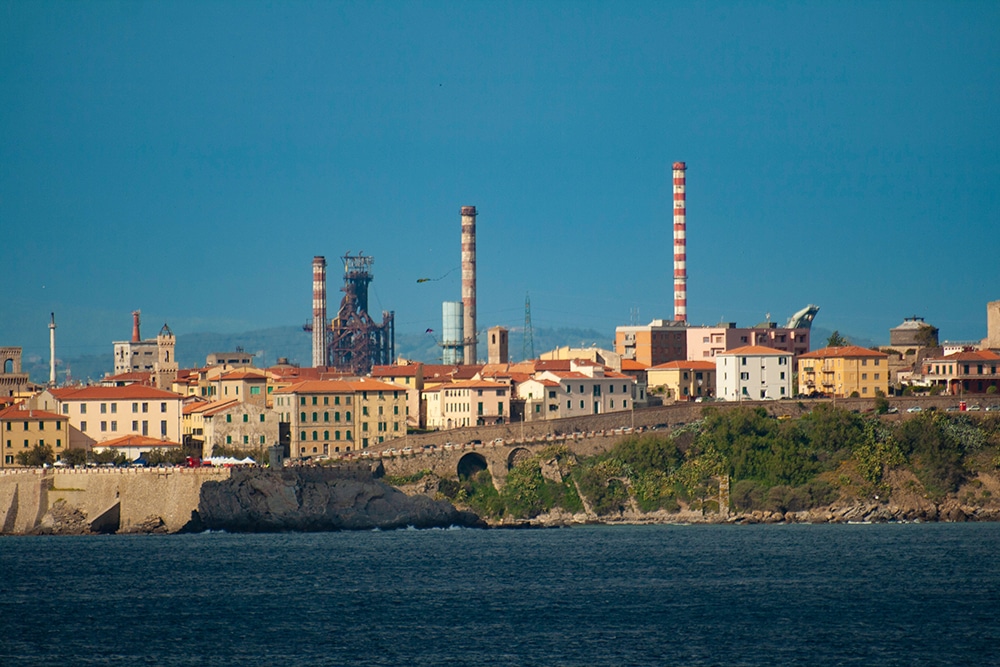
(318, 499)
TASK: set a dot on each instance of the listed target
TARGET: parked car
(892, 410)
(974, 408)
(993, 408)
(915, 408)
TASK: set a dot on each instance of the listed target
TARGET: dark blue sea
(644, 595)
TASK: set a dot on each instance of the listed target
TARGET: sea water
(913, 594)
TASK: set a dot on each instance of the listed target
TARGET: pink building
(708, 342)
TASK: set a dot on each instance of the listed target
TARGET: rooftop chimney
(469, 282)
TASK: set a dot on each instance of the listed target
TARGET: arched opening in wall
(471, 464)
(8, 366)
(517, 456)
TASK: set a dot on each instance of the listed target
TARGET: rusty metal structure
(353, 341)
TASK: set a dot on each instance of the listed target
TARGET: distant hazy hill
(293, 343)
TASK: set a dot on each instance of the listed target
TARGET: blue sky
(189, 159)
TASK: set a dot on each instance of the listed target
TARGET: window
(255, 391)
(229, 439)
(864, 362)
(395, 409)
(83, 406)
(135, 426)
(347, 416)
(744, 376)
(315, 435)
(104, 408)
(163, 427)
(65, 409)
(59, 424)
(315, 417)
(302, 416)
(302, 400)
(83, 426)
(246, 440)
(135, 407)
(864, 376)
(145, 407)
(314, 400)
(114, 408)
(782, 375)
(114, 426)
(876, 376)
(326, 435)
(246, 418)
(163, 407)
(326, 400)
(262, 440)
(262, 417)
(302, 436)
(229, 419)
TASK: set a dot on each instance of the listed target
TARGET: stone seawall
(102, 499)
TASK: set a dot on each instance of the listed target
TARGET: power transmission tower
(528, 340)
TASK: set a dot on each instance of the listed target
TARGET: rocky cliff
(317, 499)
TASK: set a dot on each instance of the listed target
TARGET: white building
(588, 388)
(753, 373)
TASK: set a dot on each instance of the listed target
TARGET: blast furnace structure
(353, 342)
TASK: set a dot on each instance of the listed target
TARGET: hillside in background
(294, 344)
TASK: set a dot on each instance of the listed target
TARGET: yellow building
(684, 380)
(22, 429)
(843, 371)
(335, 416)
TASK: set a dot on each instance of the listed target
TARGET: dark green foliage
(109, 456)
(934, 453)
(75, 456)
(36, 456)
(158, 456)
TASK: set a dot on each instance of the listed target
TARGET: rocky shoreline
(945, 512)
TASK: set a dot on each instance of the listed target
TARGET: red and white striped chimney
(319, 311)
(680, 244)
(469, 339)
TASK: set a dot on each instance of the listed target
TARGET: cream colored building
(99, 413)
(22, 429)
(332, 416)
(683, 380)
(586, 389)
(844, 371)
(467, 403)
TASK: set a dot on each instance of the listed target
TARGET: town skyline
(173, 160)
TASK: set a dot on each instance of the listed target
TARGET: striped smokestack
(469, 282)
(319, 311)
(680, 244)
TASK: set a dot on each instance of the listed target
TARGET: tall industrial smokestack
(469, 282)
(135, 326)
(52, 351)
(319, 312)
(680, 244)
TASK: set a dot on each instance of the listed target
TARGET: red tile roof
(19, 413)
(633, 365)
(135, 440)
(337, 387)
(127, 392)
(694, 365)
(845, 352)
(755, 350)
(976, 355)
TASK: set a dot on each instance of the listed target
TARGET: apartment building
(467, 403)
(844, 371)
(22, 429)
(753, 373)
(972, 372)
(99, 413)
(330, 416)
(585, 389)
(232, 424)
(683, 380)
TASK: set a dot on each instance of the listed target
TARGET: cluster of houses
(228, 406)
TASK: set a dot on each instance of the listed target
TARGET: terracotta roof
(112, 393)
(693, 365)
(395, 371)
(337, 387)
(208, 408)
(135, 440)
(754, 350)
(244, 375)
(633, 365)
(18, 413)
(131, 376)
(843, 352)
(976, 355)
(475, 384)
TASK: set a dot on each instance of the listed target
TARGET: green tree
(836, 340)
(36, 456)
(75, 456)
